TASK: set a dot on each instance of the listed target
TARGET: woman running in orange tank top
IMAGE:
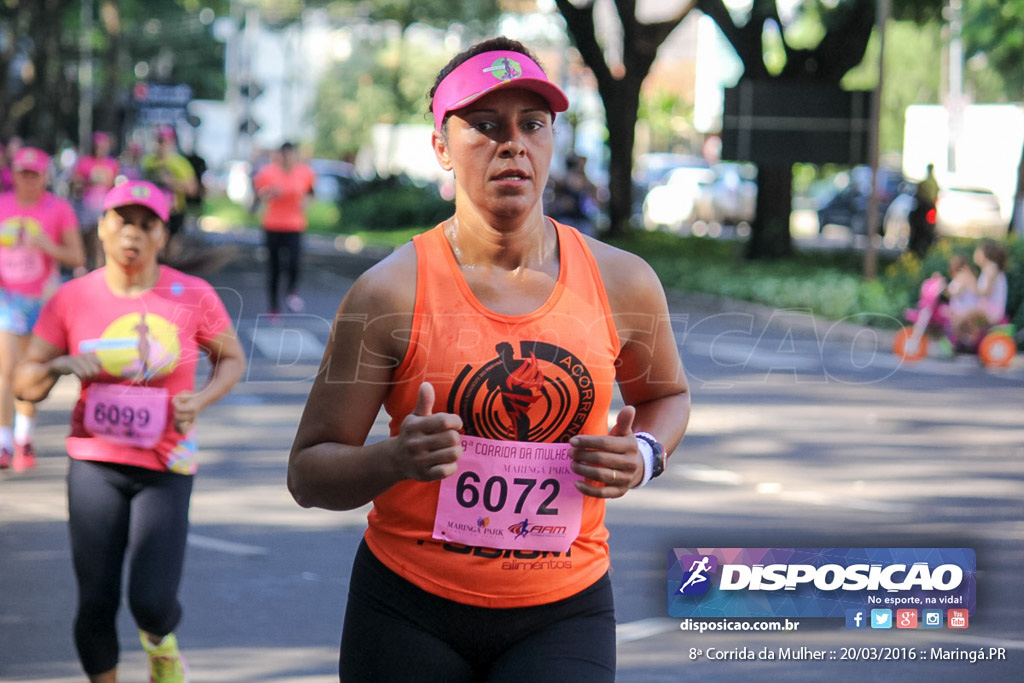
(494, 342)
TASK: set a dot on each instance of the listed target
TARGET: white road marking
(229, 547)
(288, 345)
(645, 628)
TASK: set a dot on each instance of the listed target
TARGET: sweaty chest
(511, 292)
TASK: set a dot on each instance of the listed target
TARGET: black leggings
(395, 632)
(290, 242)
(113, 511)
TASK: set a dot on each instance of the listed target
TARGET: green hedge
(391, 204)
(828, 283)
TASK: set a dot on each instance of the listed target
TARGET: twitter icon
(881, 618)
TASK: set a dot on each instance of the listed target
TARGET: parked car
(959, 212)
(673, 203)
(334, 179)
(847, 206)
(733, 194)
(653, 169)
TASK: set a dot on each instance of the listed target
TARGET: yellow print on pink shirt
(16, 230)
(137, 346)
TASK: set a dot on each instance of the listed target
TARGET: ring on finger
(615, 475)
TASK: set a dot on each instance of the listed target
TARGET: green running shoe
(166, 665)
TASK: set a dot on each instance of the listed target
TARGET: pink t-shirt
(285, 211)
(149, 346)
(24, 268)
(98, 177)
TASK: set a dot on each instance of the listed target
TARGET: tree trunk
(770, 236)
(108, 112)
(1017, 215)
(620, 92)
(621, 121)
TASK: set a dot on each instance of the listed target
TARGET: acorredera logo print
(816, 582)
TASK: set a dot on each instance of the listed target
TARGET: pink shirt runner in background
(149, 346)
(24, 268)
(97, 176)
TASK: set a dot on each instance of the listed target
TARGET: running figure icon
(697, 571)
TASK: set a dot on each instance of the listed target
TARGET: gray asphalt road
(804, 434)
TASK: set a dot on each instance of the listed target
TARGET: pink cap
(31, 159)
(487, 71)
(165, 133)
(99, 137)
(141, 193)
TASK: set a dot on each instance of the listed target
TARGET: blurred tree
(168, 42)
(383, 80)
(377, 83)
(817, 41)
(41, 47)
(619, 86)
(845, 25)
(994, 34)
(913, 53)
(440, 13)
(668, 117)
(38, 102)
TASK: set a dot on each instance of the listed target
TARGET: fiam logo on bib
(816, 582)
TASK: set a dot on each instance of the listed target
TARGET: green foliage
(913, 55)
(174, 41)
(222, 214)
(385, 79)
(324, 217)
(994, 30)
(438, 13)
(393, 203)
(381, 82)
(670, 120)
(828, 284)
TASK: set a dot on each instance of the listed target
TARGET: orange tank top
(478, 362)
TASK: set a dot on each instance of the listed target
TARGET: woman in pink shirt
(38, 233)
(132, 332)
(92, 179)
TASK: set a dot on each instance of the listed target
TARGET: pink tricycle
(996, 346)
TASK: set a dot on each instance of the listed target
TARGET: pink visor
(31, 159)
(140, 193)
(487, 71)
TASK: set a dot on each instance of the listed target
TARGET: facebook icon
(856, 618)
